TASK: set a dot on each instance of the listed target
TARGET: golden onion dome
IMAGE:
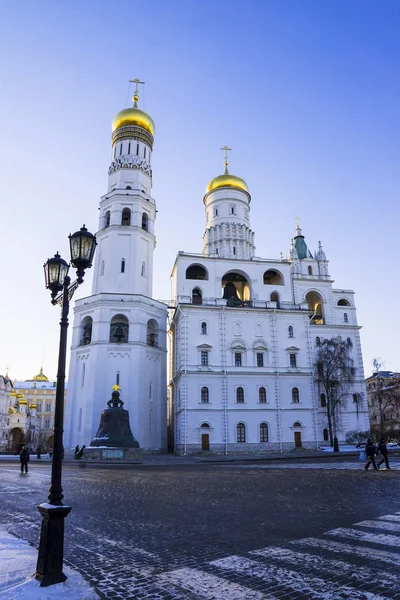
(33, 405)
(133, 117)
(22, 401)
(227, 180)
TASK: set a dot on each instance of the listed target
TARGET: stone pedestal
(113, 454)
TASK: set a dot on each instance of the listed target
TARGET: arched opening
(204, 397)
(295, 396)
(119, 329)
(196, 272)
(272, 277)
(343, 302)
(236, 289)
(241, 433)
(318, 341)
(123, 265)
(274, 297)
(197, 296)
(107, 219)
(152, 333)
(86, 331)
(263, 432)
(17, 439)
(323, 401)
(240, 395)
(290, 331)
(126, 216)
(314, 301)
(205, 436)
(297, 424)
(204, 328)
(349, 343)
(310, 270)
(262, 395)
(205, 426)
(145, 221)
(326, 435)
(345, 318)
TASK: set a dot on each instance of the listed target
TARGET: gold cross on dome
(135, 96)
(226, 150)
(297, 221)
(115, 388)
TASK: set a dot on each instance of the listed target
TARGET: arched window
(356, 398)
(233, 209)
(262, 395)
(240, 395)
(295, 395)
(119, 329)
(309, 269)
(318, 341)
(204, 395)
(314, 301)
(323, 401)
(145, 221)
(126, 216)
(349, 343)
(297, 424)
(197, 296)
(107, 219)
(241, 433)
(196, 272)
(345, 318)
(272, 277)
(123, 265)
(152, 333)
(343, 302)
(290, 331)
(274, 297)
(204, 328)
(235, 288)
(117, 378)
(326, 435)
(86, 331)
(263, 432)
(205, 426)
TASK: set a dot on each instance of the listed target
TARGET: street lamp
(51, 546)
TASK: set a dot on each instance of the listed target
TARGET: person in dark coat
(24, 459)
(382, 449)
(370, 452)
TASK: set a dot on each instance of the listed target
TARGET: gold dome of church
(227, 179)
(133, 117)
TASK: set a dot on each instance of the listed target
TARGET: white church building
(244, 336)
(119, 332)
(243, 330)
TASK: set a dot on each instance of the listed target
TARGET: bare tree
(357, 437)
(335, 375)
(384, 396)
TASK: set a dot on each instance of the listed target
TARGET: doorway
(205, 441)
(297, 439)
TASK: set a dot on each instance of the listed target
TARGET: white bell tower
(119, 332)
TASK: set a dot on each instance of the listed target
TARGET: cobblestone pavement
(216, 532)
(344, 465)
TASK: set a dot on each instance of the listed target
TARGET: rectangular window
(234, 250)
(39, 408)
(260, 359)
(129, 148)
(48, 407)
(120, 150)
(137, 149)
(293, 360)
(238, 359)
(47, 423)
(204, 358)
(144, 152)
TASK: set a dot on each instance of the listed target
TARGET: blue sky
(306, 93)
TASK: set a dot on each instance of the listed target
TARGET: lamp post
(51, 546)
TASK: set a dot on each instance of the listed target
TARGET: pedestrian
(38, 453)
(382, 449)
(24, 459)
(370, 452)
(51, 451)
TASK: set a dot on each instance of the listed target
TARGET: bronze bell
(114, 429)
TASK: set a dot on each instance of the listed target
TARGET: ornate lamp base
(51, 546)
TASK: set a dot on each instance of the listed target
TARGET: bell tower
(119, 333)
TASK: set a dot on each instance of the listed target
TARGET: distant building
(383, 392)
(5, 389)
(33, 418)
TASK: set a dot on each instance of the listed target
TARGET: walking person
(382, 449)
(24, 459)
(370, 452)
